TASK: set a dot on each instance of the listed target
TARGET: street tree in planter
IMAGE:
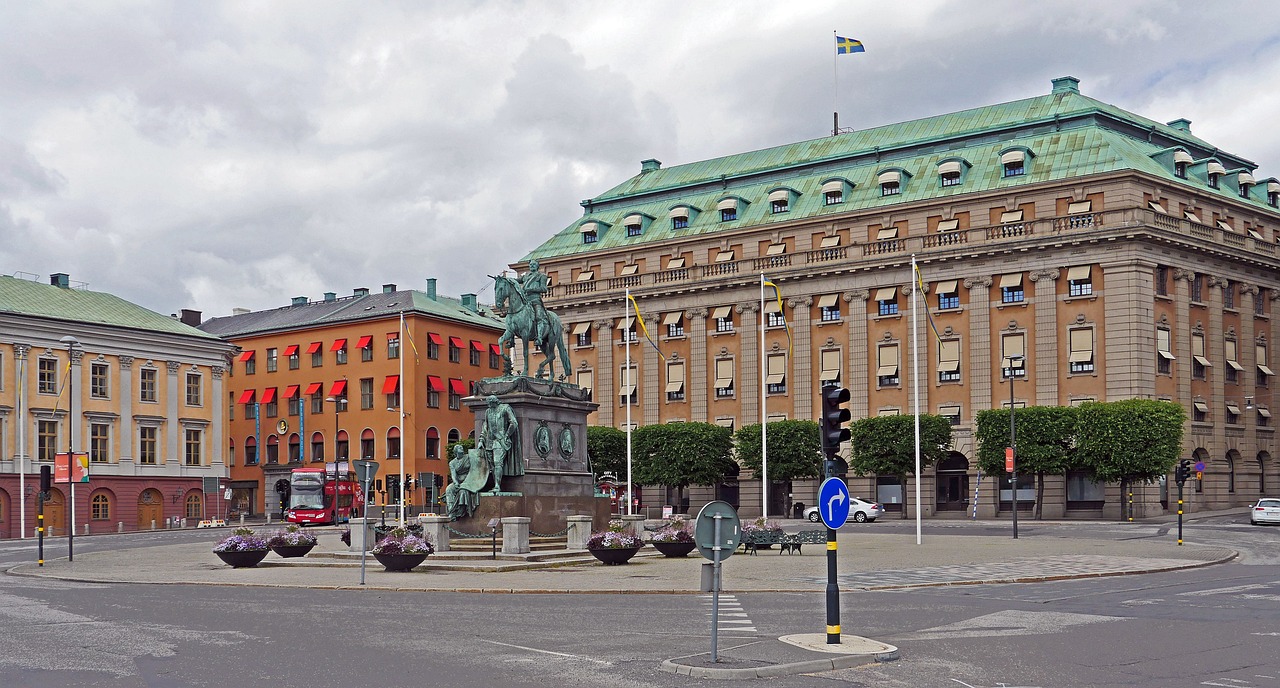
(795, 451)
(607, 449)
(1129, 441)
(676, 455)
(886, 445)
(1045, 435)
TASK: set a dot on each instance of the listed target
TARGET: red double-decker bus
(312, 493)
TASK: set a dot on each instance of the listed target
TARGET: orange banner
(61, 467)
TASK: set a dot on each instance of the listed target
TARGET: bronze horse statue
(521, 322)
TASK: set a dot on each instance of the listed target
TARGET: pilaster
(1130, 355)
(1045, 302)
(980, 370)
(858, 380)
(606, 374)
(696, 387)
(749, 364)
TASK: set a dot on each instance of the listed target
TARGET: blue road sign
(1199, 466)
(833, 502)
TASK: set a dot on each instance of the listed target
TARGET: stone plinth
(365, 524)
(547, 514)
(435, 529)
(515, 535)
(579, 532)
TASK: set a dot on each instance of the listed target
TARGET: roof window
(1181, 159)
(1014, 163)
(729, 208)
(950, 172)
(890, 183)
(1273, 194)
(834, 190)
(1214, 171)
(590, 232)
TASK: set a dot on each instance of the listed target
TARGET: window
(456, 390)
(830, 367)
(435, 385)
(627, 385)
(1197, 288)
(1162, 281)
(675, 382)
(98, 381)
(1233, 413)
(1213, 178)
(433, 346)
(949, 360)
(495, 357)
(317, 354)
(317, 401)
(46, 439)
(250, 451)
(99, 443)
(366, 393)
(193, 389)
(391, 390)
(47, 376)
(270, 406)
(948, 294)
(477, 350)
(194, 508)
(728, 214)
(674, 323)
(1164, 352)
(585, 379)
(1083, 492)
(250, 362)
(634, 230)
(1180, 170)
(776, 374)
(582, 334)
(147, 388)
(432, 446)
(1199, 364)
(949, 173)
(1080, 359)
(291, 353)
(774, 317)
(231, 406)
(590, 232)
(317, 447)
(951, 413)
(887, 368)
(950, 178)
(1011, 288)
(101, 507)
(1014, 163)
(1264, 417)
(627, 331)
(393, 346)
(724, 378)
(833, 192)
(455, 350)
(147, 443)
(365, 345)
(829, 308)
(1079, 281)
(890, 183)
(723, 315)
(1012, 223)
(342, 446)
(1229, 295)
(680, 221)
(1273, 194)
(1263, 378)
(887, 301)
(779, 201)
(272, 360)
(1181, 160)
(1233, 366)
(293, 401)
(191, 447)
(1258, 300)
(339, 350)
(1013, 351)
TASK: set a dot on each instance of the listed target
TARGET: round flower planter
(242, 560)
(674, 549)
(290, 551)
(614, 556)
(399, 562)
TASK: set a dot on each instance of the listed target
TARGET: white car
(860, 510)
(1265, 511)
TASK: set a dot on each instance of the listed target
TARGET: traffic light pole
(833, 432)
(1180, 484)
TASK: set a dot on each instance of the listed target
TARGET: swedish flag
(846, 46)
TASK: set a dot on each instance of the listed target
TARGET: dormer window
(728, 209)
(1181, 159)
(833, 192)
(1014, 163)
(590, 232)
(681, 216)
(780, 201)
(1214, 171)
(949, 173)
(1273, 194)
(1244, 180)
(890, 183)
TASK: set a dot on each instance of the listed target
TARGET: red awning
(364, 342)
(392, 336)
(315, 346)
(457, 341)
(291, 391)
(338, 345)
(314, 387)
(496, 348)
(435, 338)
(246, 356)
(391, 384)
(435, 383)
(247, 397)
(457, 386)
(338, 388)
(291, 350)
(268, 395)
(477, 346)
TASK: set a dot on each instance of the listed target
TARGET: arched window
(1231, 472)
(195, 508)
(342, 452)
(433, 443)
(295, 448)
(273, 449)
(101, 507)
(366, 444)
(250, 451)
(317, 446)
(453, 435)
(393, 443)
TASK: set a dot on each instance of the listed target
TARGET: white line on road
(548, 652)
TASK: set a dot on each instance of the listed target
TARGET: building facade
(136, 391)
(1068, 250)
(322, 379)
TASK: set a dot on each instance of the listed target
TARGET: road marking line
(549, 652)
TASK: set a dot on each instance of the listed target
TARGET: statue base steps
(548, 514)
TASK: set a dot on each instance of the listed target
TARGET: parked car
(1265, 511)
(860, 510)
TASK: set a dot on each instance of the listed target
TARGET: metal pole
(715, 591)
(71, 447)
(1013, 447)
(833, 591)
(40, 527)
(764, 413)
(1180, 483)
(364, 526)
(400, 382)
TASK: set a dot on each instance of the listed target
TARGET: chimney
(650, 165)
(431, 288)
(330, 297)
(469, 303)
(190, 317)
(388, 289)
(1181, 124)
(60, 279)
(240, 311)
(1066, 84)
(360, 291)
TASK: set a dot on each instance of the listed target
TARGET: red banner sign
(79, 468)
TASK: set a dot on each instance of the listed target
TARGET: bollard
(182, 523)
(153, 524)
(268, 518)
(119, 526)
(86, 529)
(241, 519)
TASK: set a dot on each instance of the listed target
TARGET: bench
(788, 542)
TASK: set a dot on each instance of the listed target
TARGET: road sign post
(833, 507)
(717, 532)
(365, 470)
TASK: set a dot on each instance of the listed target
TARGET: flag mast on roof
(844, 46)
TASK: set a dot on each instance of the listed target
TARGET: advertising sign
(79, 469)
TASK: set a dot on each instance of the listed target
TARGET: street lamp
(338, 403)
(1016, 363)
(72, 343)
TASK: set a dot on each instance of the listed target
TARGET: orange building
(322, 379)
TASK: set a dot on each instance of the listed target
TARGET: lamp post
(72, 343)
(337, 405)
(1016, 363)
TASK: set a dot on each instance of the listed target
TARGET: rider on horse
(532, 285)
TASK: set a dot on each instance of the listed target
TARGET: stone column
(579, 531)
(1045, 302)
(606, 374)
(651, 374)
(917, 332)
(979, 375)
(1246, 350)
(1215, 350)
(217, 442)
(800, 382)
(748, 365)
(173, 440)
(1180, 333)
(1129, 288)
(696, 379)
(74, 422)
(515, 534)
(124, 386)
(436, 530)
(856, 354)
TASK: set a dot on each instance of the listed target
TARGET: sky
(220, 155)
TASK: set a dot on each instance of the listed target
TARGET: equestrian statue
(529, 320)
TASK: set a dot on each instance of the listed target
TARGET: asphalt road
(1213, 626)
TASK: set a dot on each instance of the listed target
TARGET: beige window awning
(1254, 233)
(779, 195)
(672, 318)
(830, 365)
(1012, 157)
(949, 350)
(1163, 346)
(1013, 345)
(1190, 215)
(1245, 178)
(948, 366)
(1203, 361)
(949, 167)
(628, 270)
(586, 276)
(1081, 345)
(1265, 413)
(724, 373)
(1010, 216)
(675, 263)
(625, 323)
(1233, 408)
(586, 227)
(675, 377)
(890, 177)
(626, 390)
(633, 219)
(727, 204)
(772, 307)
(680, 211)
(1273, 187)
(1077, 207)
(1215, 168)
(827, 300)
(887, 361)
(1182, 156)
(887, 294)
(1223, 224)
(1157, 207)
(830, 241)
(887, 370)
(948, 225)
(724, 256)
(833, 186)
(1078, 273)
(1235, 365)
(776, 249)
(581, 328)
(1011, 280)
(585, 379)
(1200, 406)
(721, 312)
(777, 371)
(886, 233)
(948, 287)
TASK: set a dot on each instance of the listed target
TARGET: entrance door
(55, 513)
(952, 478)
(150, 508)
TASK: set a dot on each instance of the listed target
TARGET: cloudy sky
(212, 155)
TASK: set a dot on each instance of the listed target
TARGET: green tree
(1130, 440)
(676, 455)
(885, 445)
(794, 449)
(1045, 435)
(607, 449)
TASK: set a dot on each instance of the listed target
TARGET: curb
(808, 666)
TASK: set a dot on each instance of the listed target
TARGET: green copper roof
(25, 297)
(1065, 133)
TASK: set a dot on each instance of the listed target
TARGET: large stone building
(138, 391)
(321, 379)
(1120, 257)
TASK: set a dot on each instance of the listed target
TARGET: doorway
(952, 479)
(150, 508)
(55, 513)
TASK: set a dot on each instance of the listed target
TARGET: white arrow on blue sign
(833, 502)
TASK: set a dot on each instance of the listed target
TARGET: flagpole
(22, 443)
(403, 443)
(835, 86)
(915, 382)
(764, 415)
(626, 365)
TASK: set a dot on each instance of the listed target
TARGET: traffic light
(831, 427)
(1182, 472)
(408, 482)
(46, 478)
